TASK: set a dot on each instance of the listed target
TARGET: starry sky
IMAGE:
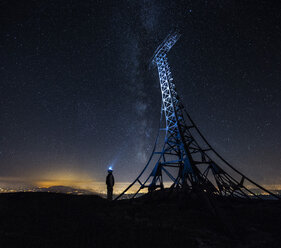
(77, 94)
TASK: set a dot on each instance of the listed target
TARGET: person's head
(110, 170)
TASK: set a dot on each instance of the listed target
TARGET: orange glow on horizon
(83, 181)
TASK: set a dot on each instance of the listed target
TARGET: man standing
(110, 183)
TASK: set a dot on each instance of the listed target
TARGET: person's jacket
(110, 180)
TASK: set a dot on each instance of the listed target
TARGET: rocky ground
(161, 220)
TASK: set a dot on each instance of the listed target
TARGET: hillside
(62, 220)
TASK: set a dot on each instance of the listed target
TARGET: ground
(61, 220)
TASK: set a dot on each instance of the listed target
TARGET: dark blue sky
(76, 92)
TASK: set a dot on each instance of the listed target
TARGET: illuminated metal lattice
(187, 160)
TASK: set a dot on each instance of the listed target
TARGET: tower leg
(157, 176)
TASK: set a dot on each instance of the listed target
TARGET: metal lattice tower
(186, 157)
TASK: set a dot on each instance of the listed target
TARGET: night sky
(77, 94)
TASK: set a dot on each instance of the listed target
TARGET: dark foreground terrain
(60, 220)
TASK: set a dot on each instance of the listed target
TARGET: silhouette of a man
(110, 184)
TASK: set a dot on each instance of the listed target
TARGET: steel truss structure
(186, 158)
